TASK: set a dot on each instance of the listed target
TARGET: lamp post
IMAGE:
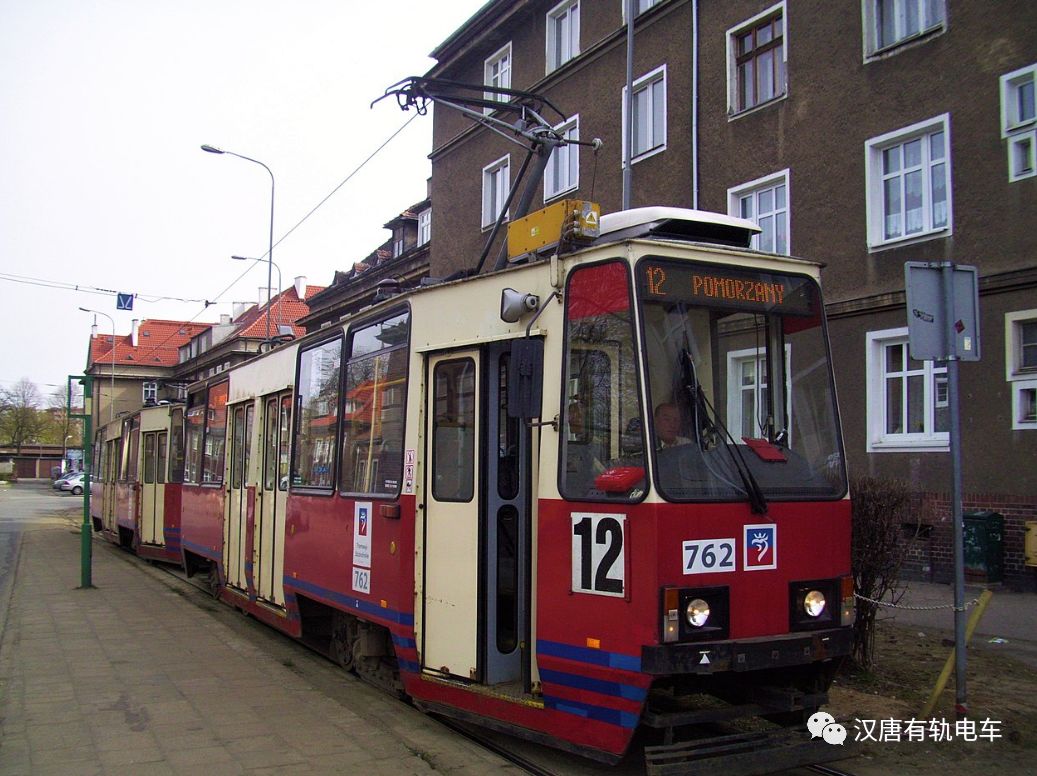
(270, 251)
(111, 399)
(252, 258)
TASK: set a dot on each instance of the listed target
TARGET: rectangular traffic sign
(942, 310)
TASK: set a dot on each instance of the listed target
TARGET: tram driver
(668, 425)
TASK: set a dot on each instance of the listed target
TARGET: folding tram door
(476, 598)
(256, 506)
(153, 486)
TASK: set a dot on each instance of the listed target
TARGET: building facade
(860, 134)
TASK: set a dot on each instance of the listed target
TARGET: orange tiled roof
(285, 308)
(158, 342)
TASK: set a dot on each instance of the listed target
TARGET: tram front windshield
(740, 385)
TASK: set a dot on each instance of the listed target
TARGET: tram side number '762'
(598, 554)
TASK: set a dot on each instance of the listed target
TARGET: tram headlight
(814, 603)
(697, 612)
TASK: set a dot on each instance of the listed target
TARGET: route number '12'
(598, 557)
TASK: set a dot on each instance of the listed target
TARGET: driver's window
(602, 456)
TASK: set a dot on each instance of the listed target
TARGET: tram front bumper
(712, 657)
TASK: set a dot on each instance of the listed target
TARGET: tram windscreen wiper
(708, 424)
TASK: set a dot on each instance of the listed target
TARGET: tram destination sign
(719, 286)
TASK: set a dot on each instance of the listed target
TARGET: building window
(424, 226)
(641, 5)
(497, 73)
(908, 405)
(649, 114)
(397, 244)
(1018, 119)
(756, 53)
(150, 393)
(563, 169)
(890, 23)
(496, 182)
(1021, 366)
(563, 33)
(748, 392)
(764, 202)
(908, 182)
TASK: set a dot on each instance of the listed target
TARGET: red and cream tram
(566, 499)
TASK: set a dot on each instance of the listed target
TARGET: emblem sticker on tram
(709, 556)
(760, 547)
(598, 556)
(362, 534)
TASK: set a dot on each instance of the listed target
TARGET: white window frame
(875, 184)
(566, 15)
(149, 387)
(736, 194)
(495, 188)
(425, 226)
(645, 84)
(870, 24)
(1020, 381)
(878, 439)
(734, 108)
(565, 155)
(642, 6)
(501, 79)
(397, 245)
(1021, 133)
(735, 359)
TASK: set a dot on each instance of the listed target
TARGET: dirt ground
(907, 664)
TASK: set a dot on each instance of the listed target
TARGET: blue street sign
(124, 301)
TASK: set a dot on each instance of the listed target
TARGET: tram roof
(676, 223)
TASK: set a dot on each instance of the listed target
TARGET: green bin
(984, 546)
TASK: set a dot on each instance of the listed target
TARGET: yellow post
(941, 683)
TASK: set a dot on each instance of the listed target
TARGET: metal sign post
(943, 325)
(86, 536)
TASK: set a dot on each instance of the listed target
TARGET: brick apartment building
(861, 134)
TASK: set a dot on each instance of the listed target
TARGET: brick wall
(929, 555)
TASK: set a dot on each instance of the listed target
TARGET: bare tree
(66, 431)
(20, 421)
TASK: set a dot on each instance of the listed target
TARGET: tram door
(267, 537)
(477, 504)
(451, 572)
(152, 497)
(239, 505)
(113, 459)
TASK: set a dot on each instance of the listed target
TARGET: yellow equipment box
(1030, 543)
(574, 219)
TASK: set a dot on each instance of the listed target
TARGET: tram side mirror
(526, 378)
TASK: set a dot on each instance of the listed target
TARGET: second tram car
(568, 499)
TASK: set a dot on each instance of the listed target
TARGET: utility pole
(85, 536)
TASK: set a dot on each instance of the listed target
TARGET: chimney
(262, 295)
(237, 309)
(300, 287)
(133, 331)
(93, 331)
(224, 319)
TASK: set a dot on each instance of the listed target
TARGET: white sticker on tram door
(709, 556)
(598, 553)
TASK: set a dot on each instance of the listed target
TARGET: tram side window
(318, 406)
(149, 458)
(602, 407)
(194, 433)
(373, 417)
(453, 431)
(176, 446)
(284, 449)
(160, 474)
(215, 434)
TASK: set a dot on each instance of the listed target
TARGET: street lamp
(252, 258)
(270, 252)
(111, 399)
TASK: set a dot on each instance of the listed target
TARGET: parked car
(74, 484)
(61, 479)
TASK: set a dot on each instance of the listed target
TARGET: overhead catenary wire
(299, 223)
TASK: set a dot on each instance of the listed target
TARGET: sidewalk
(142, 676)
(1010, 616)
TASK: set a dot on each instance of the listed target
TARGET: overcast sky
(103, 107)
